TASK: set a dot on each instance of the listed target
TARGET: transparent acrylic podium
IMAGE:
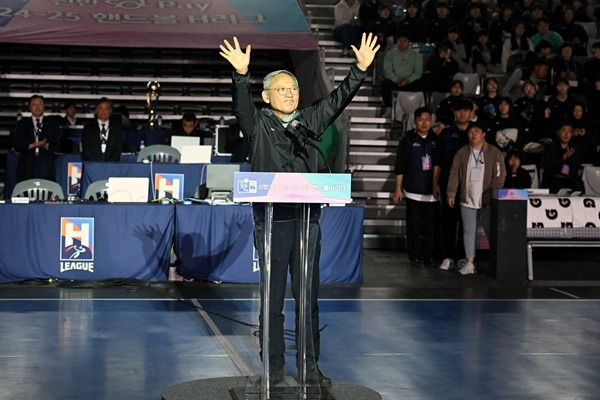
(304, 188)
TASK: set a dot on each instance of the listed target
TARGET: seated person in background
(402, 68)
(504, 130)
(440, 69)
(102, 139)
(592, 67)
(502, 28)
(347, 28)
(573, 33)
(515, 48)
(445, 109)
(485, 56)
(487, 104)
(564, 66)
(544, 33)
(126, 123)
(383, 27)
(441, 23)
(442, 123)
(585, 133)
(36, 139)
(516, 176)
(561, 162)
(329, 145)
(70, 118)
(593, 99)
(368, 12)
(186, 126)
(471, 25)
(414, 23)
(561, 104)
(460, 52)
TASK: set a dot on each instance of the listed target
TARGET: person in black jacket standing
(36, 139)
(414, 182)
(277, 147)
(102, 139)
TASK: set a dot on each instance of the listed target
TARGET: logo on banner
(74, 180)
(76, 244)
(168, 186)
(255, 265)
(247, 186)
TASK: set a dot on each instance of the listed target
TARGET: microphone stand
(308, 142)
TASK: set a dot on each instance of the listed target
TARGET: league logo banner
(168, 186)
(76, 244)
(74, 180)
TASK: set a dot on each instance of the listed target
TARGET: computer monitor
(219, 180)
(196, 154)
(128, 190)
(177, 142)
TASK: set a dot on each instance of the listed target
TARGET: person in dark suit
(102, 139)
(36, 139)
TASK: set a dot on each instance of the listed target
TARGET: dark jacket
(91, 143)
(41, 165)
(409, 162)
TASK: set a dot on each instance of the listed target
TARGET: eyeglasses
(284, 90)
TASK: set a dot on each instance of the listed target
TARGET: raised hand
(366, 53)
(236, 57)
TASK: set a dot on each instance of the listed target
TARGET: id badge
(476, 174)
(103, 147)
(426, 162)
(565, 169)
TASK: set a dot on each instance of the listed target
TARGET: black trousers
(451, 226)
(421, 225)
(285, 254)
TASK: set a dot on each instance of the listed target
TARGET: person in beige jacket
(477, 168)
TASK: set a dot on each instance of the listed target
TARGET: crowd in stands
(538, 71)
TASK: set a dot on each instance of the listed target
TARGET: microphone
(304, 131)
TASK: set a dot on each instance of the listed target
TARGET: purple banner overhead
(265, 24)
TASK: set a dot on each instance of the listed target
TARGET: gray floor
(407, 333)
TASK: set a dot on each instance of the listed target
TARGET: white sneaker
(447, 264)
(467, 269)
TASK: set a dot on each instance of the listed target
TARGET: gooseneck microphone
(304, 131)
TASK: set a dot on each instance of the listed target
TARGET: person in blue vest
(278, 146)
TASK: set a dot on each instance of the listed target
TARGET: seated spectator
(503, 27)
(102, 139)
(537, 75)
(592, 67)
(573, 32)
(442, 123)
(561, 104)
(402, 69)
(471, 25)
(544, 33)
(529, 111)
(368, 12)
(532, 19)
(36, 139)
(383, 27)
(562, 162)
(445, 109)
(441, 23)
(187, 126)
(580, 11)
(460, 52)
(554, 12)
(413, 22)
(440, 69)
(542, 50)
(485, 57)
(487, 104)
(565, 67)
(347, 28)
(593, 100)
(515, 48)
(585, 133)
(504, 130)
(516, 176)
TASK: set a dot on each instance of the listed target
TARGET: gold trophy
(152, 95)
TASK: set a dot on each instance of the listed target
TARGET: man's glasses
(284, 90)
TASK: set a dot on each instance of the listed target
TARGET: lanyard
(477, 157)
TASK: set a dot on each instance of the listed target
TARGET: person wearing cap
(449, 141)
(477, 169)
(562, 161)
(402, 70)
(544, 33)
(414, 23)
(517, 177)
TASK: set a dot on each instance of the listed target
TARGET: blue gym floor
(420, 333)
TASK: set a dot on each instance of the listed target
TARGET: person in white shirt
(347, 28)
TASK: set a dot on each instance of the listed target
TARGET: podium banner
(291, 187)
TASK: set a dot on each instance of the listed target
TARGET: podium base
(237, 388)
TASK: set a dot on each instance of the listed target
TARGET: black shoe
(276, 377)
(428, 262)
(415, 263)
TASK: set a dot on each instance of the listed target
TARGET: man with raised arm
(279, 147)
